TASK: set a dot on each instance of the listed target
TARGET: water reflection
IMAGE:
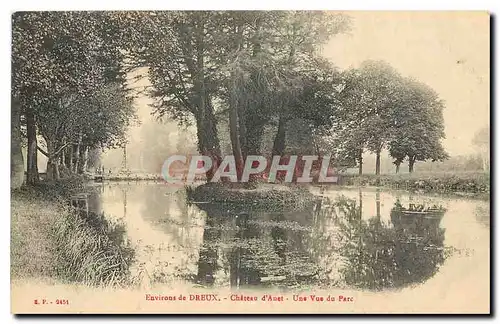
(330, 244)
(254, 248)
(409, 249)
(361, 239)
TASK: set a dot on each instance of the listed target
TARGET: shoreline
(461, 185)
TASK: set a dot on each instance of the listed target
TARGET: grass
(33, 253)
(49, 239)
(92, 251)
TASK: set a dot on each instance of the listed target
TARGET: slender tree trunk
(52, 160)
(82, 163)
(208, 142)
(377, 163)
(254, 131)
(77, 154)
(52, 170)
(235, 136)
(76, 158)
(280, 138)
(85, 158)
(206, 131)
(360, 160)
(70, 158)
(397, 167)
(242, 130)
(16, 154)
(32, 154)
(62, 158)
(411, 164)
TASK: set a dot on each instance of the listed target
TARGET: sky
(449, 51)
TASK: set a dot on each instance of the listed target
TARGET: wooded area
(249, 70)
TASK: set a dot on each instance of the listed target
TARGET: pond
(365, 239)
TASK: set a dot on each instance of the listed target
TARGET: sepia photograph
(250, 162)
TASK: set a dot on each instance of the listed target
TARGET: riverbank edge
(260, 196)
(474, 185)
(52, 241)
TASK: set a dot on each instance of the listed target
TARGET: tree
(97, 121)
(368, 98)
(241, 63)
(276, 76)
(184, 85)
(418, 125)
(16, 156)
(58, 57)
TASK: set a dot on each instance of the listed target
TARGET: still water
(351, 238)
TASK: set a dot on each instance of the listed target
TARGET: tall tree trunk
(70, 158)
(16, 154)
(235, 136)
(411, 163)
(377, 163)
(360, 161)
(397, 167)
(82, 163)
(242, 130)
(206, 131)
(32, 154)
(208, 142)
(62, 158)
(86, 159)
(76, 150)
(52, 163)
(254, 131)
(280, 138)
(52, 170)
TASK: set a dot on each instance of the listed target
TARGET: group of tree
(251, 71)
(380, 109)
(68, 90)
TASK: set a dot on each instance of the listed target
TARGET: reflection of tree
(380, 256)
(258, 247)
(207, 263)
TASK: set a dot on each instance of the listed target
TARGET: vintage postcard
(250, 162)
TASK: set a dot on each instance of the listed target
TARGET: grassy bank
(49, 239)
(262, 196)
(471, 184)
